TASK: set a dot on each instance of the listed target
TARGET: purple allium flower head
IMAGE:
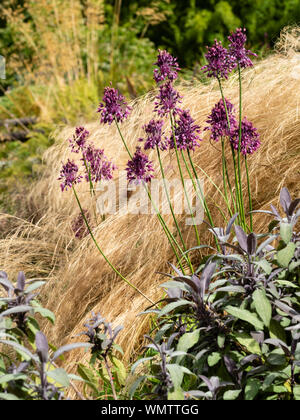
(168, 98)
(77, 143)
(139, 168)
(168, 67)
(99, 166)
(78, 225)
(237, 48)
(218, 124)
(114, 106)
(250, 141)
(154, 135)
(69, 175)
(220, 62)
(186, 132)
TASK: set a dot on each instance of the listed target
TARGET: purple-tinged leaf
(207, 382)
(69, 347)
(206, 276)
(258, 336)
(278, 343)
(16, 310)
(293, 206)
(241, 237)
(230, 365)
(21, 281)
(287, 309)
(42, 347)
(249, 359)
(5, 282)
(285, 199)
(275, 212)
(231, 222)
(177, 271)
(251, 243)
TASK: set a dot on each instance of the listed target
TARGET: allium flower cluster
(168, 99)
(77, 143)
(78, 225)
(139, 168)
(168, 67)
(98, 166)
(186, 133)
(69, 175)
(220, 62)
(217, 120)
(114, 106)
(237, 48)
(154, 135)
(250, 141)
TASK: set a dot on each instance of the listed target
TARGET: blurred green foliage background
(60, 54)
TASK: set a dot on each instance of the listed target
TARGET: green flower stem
(249, 195)
(240, 144)
(182, 180)
(92, 190)
(239, 205)
(123, 140)
(169, 235)
(168, 198)
(102, 253)
(202, 198)
(226, 178)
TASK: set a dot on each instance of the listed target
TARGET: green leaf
(297, 392)
(277, 358)
(187, 341)
(8, 397)
(245, 315)
(252, 388)
(264, 265)
(262, 306)
(12, 377)
(286, 254)
(171, 306)
(213, 359)
(176, 374)
(45, 313)
(120, 371)
(286, 232)
(248, 342)
(176, 395)
(221, 340)
(88, 376)
(277, 331)
(34, 286)
(60, 376)
(231, 395)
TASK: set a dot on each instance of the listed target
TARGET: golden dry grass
(79, 281)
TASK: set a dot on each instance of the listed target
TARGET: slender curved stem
(102, 253)
(240, 144)
(182, 179)
(233, 156)
(249, 194)
(169, 235)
